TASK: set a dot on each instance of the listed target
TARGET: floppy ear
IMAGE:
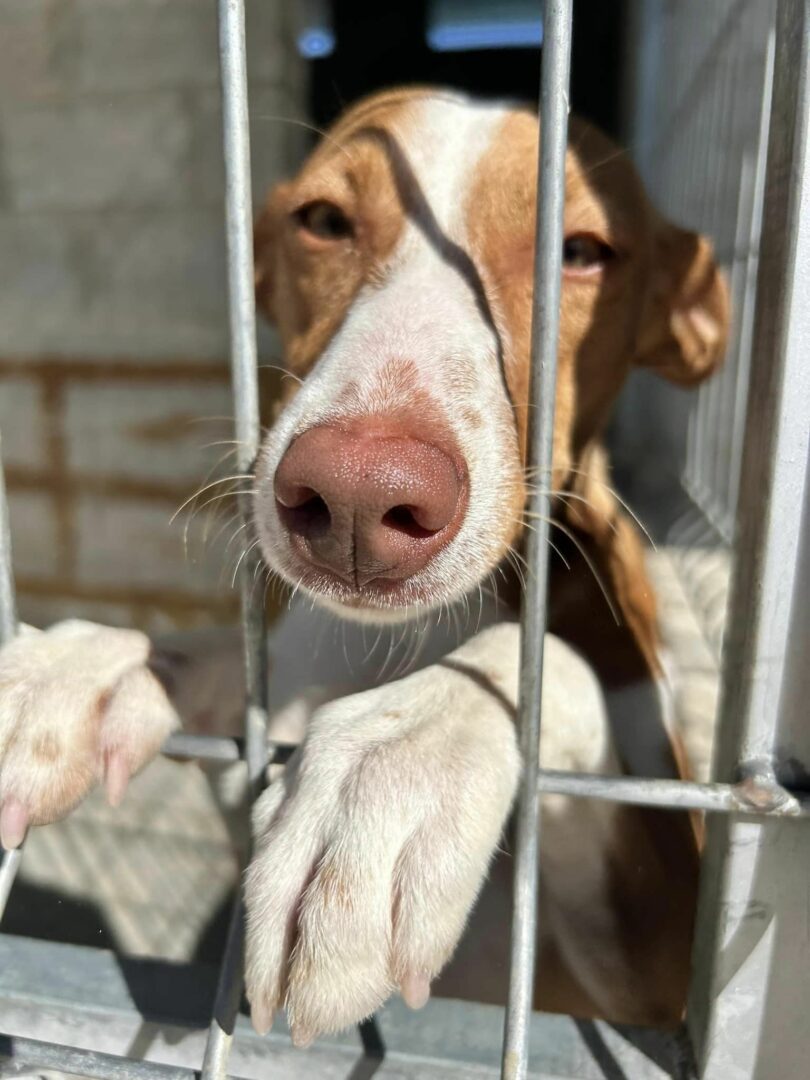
(265, 239)
(685, 325)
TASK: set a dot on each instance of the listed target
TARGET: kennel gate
(750, 968)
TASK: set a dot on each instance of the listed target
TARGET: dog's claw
(415, 989)
(13, 824)
(302, 1037)
(116, 777)
(261, 1018)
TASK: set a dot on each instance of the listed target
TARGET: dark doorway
(376, 44)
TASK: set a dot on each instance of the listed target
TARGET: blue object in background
(463, 25)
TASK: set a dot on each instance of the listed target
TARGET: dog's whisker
(587, 475)
(549, 541)
(345, 647)
(233, 536)
(210, 518)
(296, 122)
(259, 564)
(208, 502)
(591, 565)
(374, 646)
(230, 519)
(294, 593)
(614, 156)
(480, 607)
(257, 573)
(207, 487)
(567, 496)
(230, 522)
(515, 559)
(243, 555)
(284, 371)
(233, 443)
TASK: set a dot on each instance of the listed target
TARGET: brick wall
(113, 316)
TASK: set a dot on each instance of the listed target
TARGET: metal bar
(203, 747)
(745, 314)
(8, 604)
(9, 867)
(757, 795)
(753, 902)
(239, 238)
(10, 863)
(91, 998)
(553, 141)
(776, 435)
(37, 1054)
(217, 748)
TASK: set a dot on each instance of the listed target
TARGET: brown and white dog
(397, 267)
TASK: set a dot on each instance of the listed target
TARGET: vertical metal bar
(239, 237)
(545, 329)
(242, 305)
(9, 866)
(745, 313)
(10, 863)
(8, 604)
(751, 980)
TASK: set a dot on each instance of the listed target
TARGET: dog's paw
(78, 705)
(370, 852)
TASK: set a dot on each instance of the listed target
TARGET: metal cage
(751, 976)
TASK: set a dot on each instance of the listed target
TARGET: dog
(397, 268)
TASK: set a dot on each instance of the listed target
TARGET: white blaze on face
(425, 318)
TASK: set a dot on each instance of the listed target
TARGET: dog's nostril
(308, 517)
(403, 520)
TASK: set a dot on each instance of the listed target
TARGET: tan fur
(661, 303)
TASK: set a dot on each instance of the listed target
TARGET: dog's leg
(79, 704)
(371, 849)
(82, 703)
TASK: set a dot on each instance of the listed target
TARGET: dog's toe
(78, 706)
(369, 854)
(340, 971)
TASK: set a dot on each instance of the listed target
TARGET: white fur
(371, 849)
(73, 700)
(372, 846)
(426, 313)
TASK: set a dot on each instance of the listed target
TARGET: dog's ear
(685, 324)
(265, 246)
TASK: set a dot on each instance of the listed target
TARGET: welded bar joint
(545, 327)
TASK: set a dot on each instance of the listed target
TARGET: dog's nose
(368, 504)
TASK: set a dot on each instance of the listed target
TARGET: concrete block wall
(113, 311)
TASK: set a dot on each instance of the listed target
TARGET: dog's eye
(585, 253)
(324, 220)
